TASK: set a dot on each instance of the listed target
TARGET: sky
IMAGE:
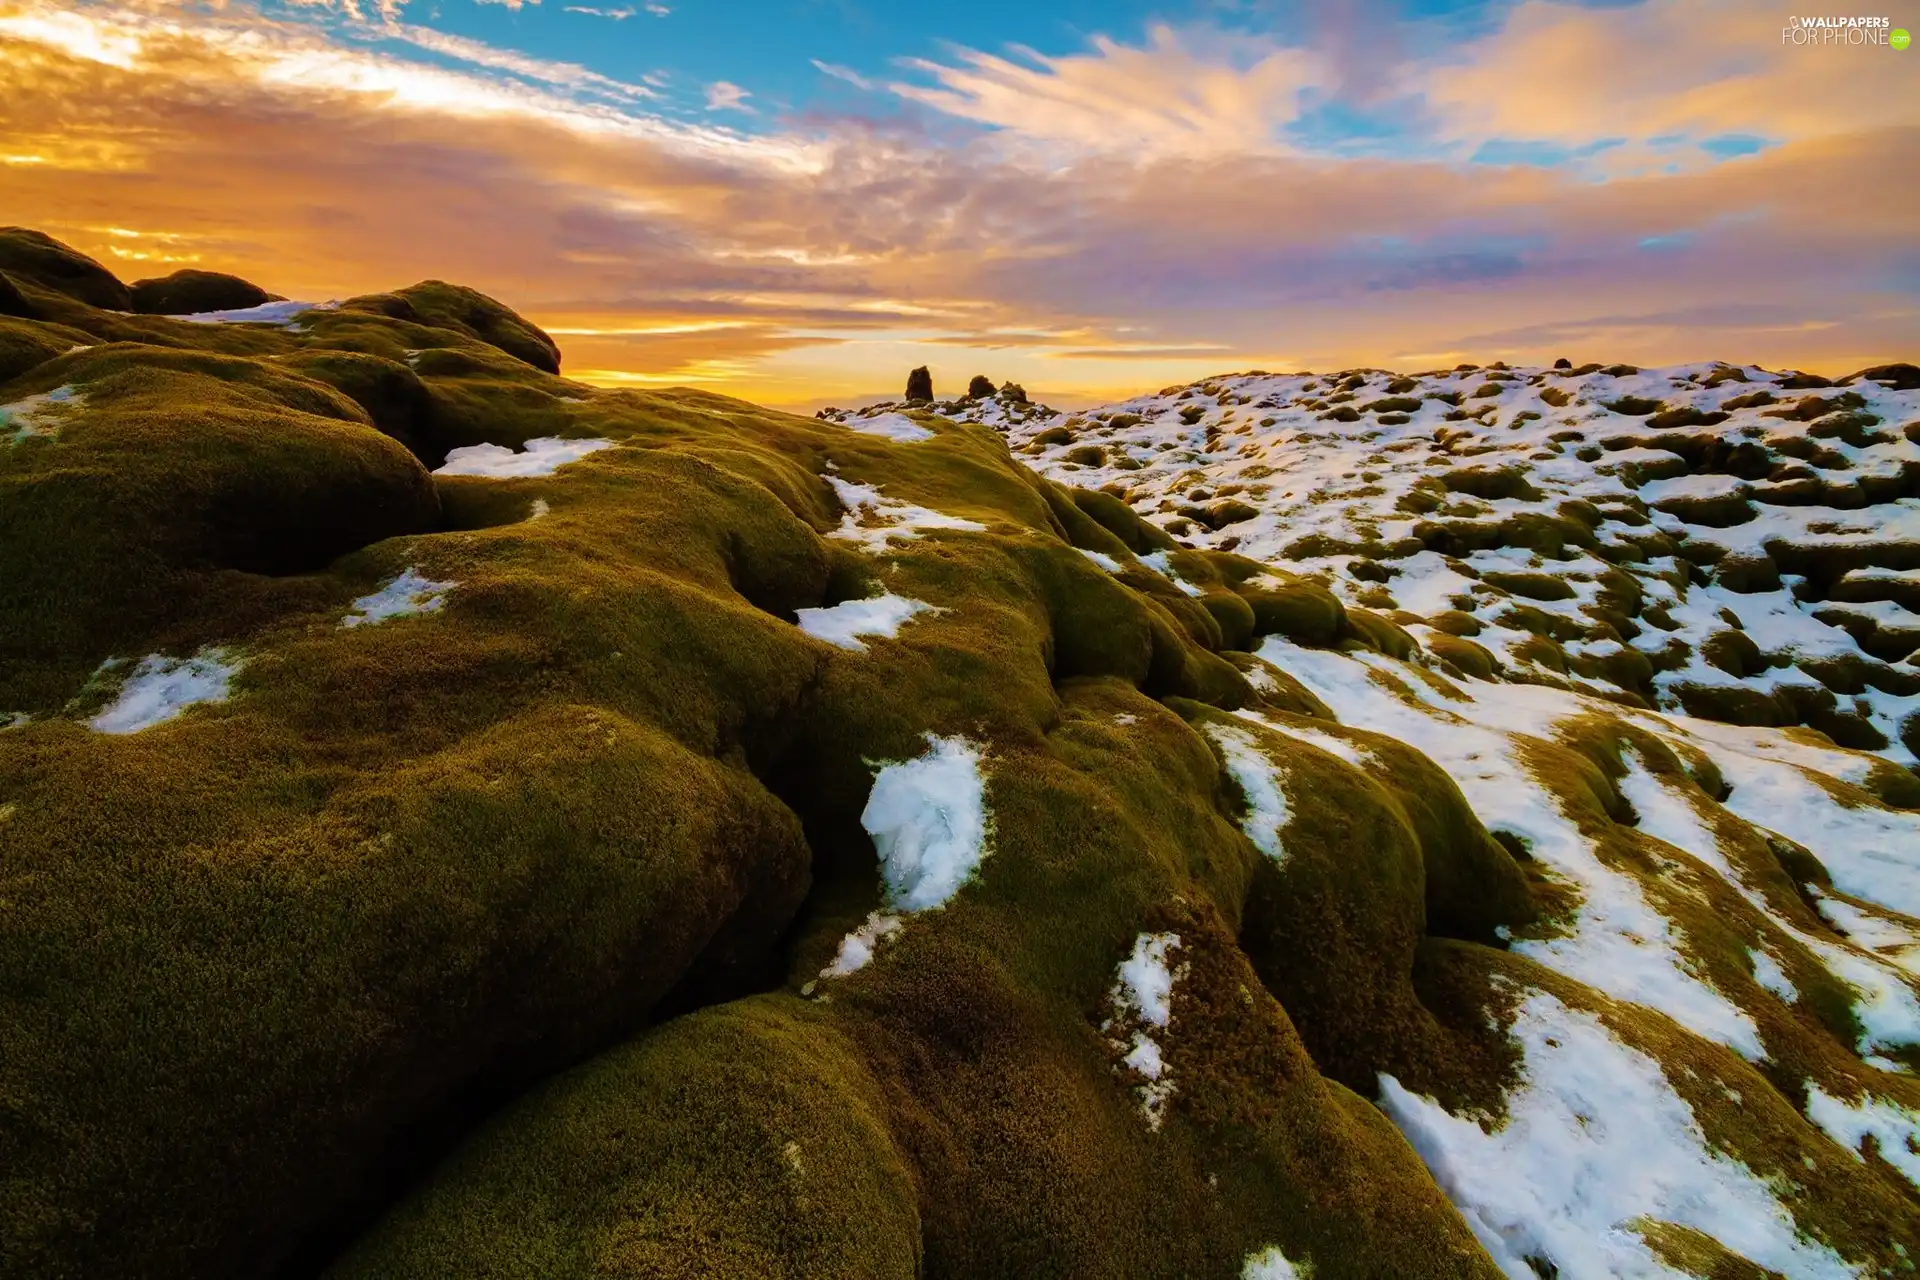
(796, 201)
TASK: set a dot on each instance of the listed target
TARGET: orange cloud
(820, 261)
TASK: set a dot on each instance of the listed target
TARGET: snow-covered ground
(1720, 559)
(1701, 536)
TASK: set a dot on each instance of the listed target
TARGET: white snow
(542, 456)
(160, 688)
(894, 426)
(407, 595)
(37, 415)
(1596, 1138)
(843, 624)
(1895, 1129)
(1331, 743)
(1871, 851)
(873, 520)
(1275, 441)
(1260, 782)
(1874, 932)
(1768, 973)
(1162, 563)
(1142, 1000)
(1666, 816)
(538, 509)
(1102, 559)
(859, 946)
(285, 313)
(1620, 943)
(928, 819)
(1271, 1264)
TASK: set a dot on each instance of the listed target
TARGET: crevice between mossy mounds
(749, 953)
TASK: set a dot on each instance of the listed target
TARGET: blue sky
(794, 202)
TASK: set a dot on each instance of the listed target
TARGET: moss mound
(414, 874)
(440, 305)
(189, 291)
(35, 258)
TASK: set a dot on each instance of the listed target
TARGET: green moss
(1635, 406)
(393, 396)
(1464, 655)
(35, 258)
(173, 504)
(188, 291)
(1534, 586)
(25, 346)
(746, 1141)
(439, 305)
(1140, 536)
(1302, 611)
(1670, 419)
(1377, 633)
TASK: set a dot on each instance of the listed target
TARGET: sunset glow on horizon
(796, 203)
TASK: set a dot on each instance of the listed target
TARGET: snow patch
(285, 314)
(36, 415)
(405, 596)
(843, 624)
(894, 426)
(1595, 1139)
(858, 947)
(160, 688)
(873, 520)
(928, 819)
(1771, 977)
(1260, 781)
(1620, 943)
(1142, 1000)
(1271, 1264)
(542, 456)
(1873, 853)
(1162, 563)
(1894, 1129)
(1102, 559)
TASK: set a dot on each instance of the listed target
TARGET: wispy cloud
(724, 95)
(617, 15)
(819, 258)
(567, 75)
(1158, 98)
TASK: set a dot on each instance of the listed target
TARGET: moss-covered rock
(189, 291)
(33, 257)
(440, 305)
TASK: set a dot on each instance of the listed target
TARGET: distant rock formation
(920, 384)
(1013, 391)
(33, 257)
(980, 388)
(189, 292)
(1563, 363)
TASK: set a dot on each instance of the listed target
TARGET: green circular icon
(1898, 38)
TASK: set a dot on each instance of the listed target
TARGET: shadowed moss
(35, 258)
(743, 1141)
(450, 306)
(188, 291)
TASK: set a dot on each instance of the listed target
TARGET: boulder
(37, 258)
(920, 384)
(188, 292)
